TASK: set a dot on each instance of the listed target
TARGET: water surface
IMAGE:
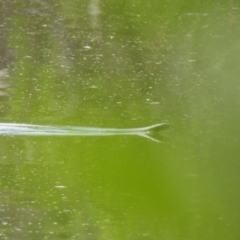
(120, 64)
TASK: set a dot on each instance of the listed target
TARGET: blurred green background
(122, 63)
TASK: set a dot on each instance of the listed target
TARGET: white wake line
(21, 129)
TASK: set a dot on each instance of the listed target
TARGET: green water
(121, 64)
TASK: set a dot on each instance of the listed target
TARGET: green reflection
(121, 64)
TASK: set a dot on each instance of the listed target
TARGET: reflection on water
(119, 64)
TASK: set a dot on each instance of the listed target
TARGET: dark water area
(121, 64)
